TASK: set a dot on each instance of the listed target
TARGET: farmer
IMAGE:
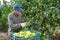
(15, 19)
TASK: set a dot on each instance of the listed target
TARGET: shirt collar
(16, 14)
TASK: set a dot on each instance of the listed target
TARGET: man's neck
(17, 14)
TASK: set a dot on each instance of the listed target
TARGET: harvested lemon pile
(24, 34)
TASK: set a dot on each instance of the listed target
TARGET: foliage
(42, 14)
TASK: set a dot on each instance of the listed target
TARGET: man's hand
(23, 24)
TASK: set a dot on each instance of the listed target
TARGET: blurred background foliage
(42, 14)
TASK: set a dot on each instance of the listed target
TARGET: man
(15, 19)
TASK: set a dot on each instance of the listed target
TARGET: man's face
(16, 12)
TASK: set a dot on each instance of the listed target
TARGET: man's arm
(11, 24)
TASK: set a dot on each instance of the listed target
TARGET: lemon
(33, 34)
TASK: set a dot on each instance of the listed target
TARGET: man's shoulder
(10, 14)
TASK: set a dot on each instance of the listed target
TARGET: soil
(3, 34)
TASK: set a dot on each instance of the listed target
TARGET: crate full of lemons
(26, 35)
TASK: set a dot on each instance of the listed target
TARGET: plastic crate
(30, 38)
(12, 37)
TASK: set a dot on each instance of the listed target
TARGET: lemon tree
(42, 14)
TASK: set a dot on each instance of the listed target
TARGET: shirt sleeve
(11, 24)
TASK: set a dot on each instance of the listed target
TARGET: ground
(3, 36)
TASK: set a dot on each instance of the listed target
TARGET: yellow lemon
(33, 34)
